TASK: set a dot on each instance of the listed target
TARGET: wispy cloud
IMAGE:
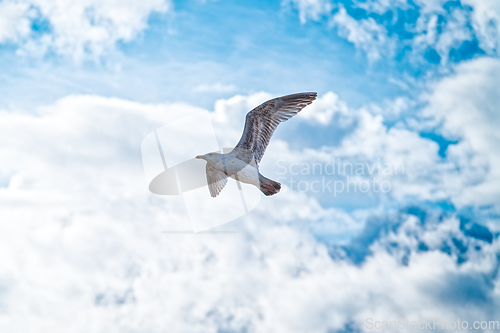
(432, 31)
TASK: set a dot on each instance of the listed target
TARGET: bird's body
(242, 163)
(235, 167)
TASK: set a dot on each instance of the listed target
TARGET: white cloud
(422, 174)
(463, 107)
(82, 238)
(381, 6)
(365, 34)
(486, 21)
(14, 21)
(75, 28)
(82, 250)
(229, 116)
(323, 108)
(373, 38)
(467, 103)
(313, 9)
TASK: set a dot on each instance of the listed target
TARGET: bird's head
(212, 157)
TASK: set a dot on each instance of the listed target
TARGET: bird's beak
(199, 156)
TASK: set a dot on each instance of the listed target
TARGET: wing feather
(261, 122)
(216, 180)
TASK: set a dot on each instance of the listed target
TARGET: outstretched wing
(216, 180)
(261, 122)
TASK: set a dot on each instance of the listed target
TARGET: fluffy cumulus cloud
(14, 22)
(82, 241)
(368, 146)
(467, 105)
(82, 247)
(73, 28)
(486, 21)
(434, 31)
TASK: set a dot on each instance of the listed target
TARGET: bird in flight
(242, 163)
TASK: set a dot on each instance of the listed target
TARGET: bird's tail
(268, 186)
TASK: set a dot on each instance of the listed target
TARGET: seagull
(242, 163)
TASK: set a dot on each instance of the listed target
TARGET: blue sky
(250, 47)
(410, 83)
